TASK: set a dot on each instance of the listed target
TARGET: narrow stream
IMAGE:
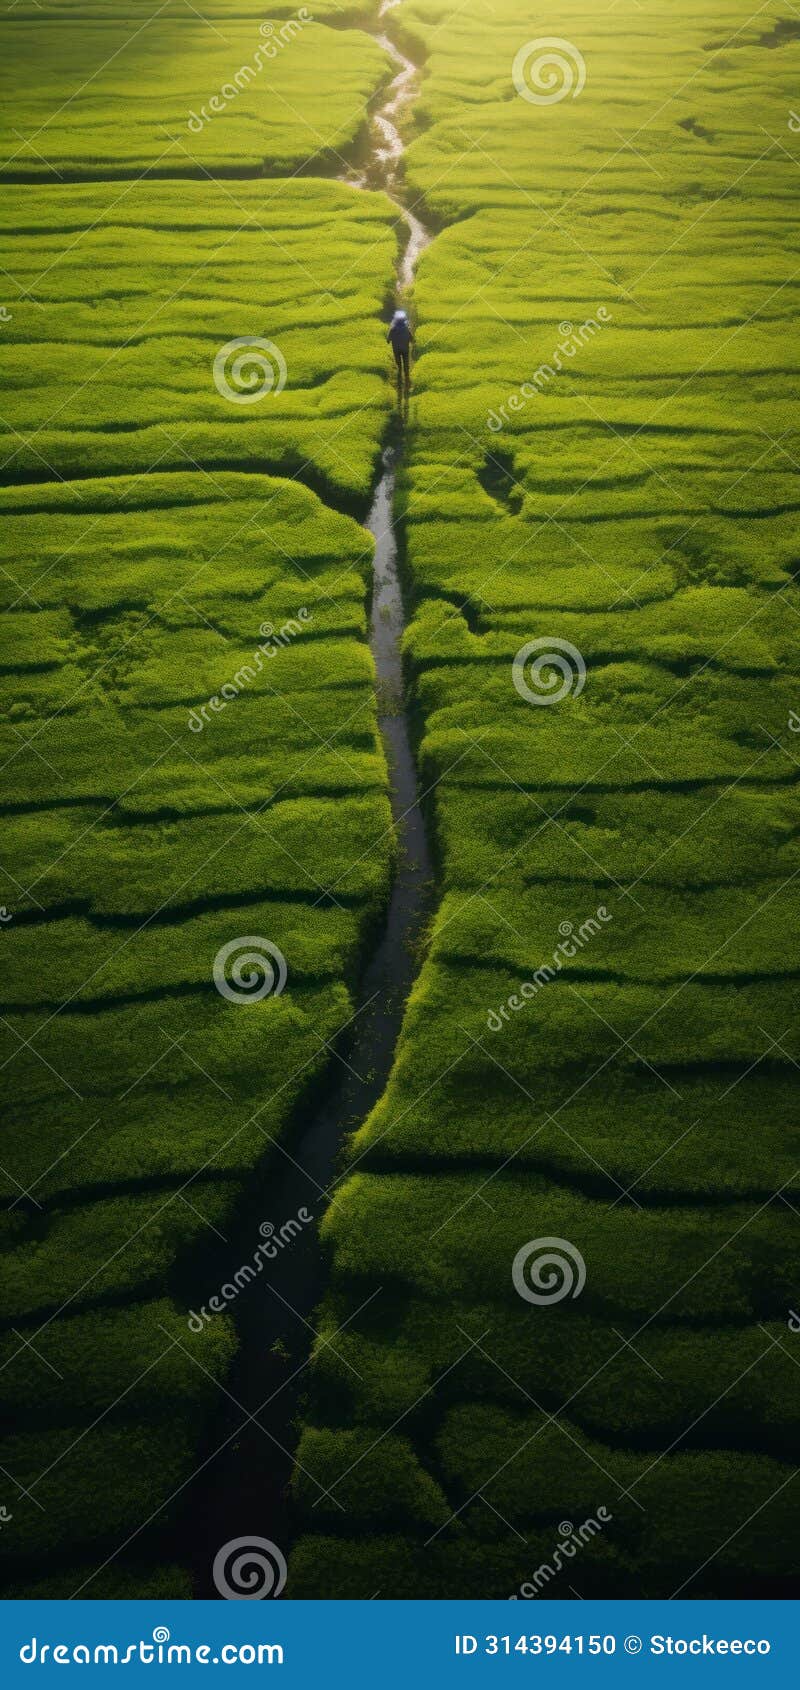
(388, 148)
(242, 1490)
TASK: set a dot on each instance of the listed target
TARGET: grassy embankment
(149, 538)
(639, 502)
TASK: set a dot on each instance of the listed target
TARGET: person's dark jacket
(400, 336)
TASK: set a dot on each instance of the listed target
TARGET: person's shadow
(403, 393)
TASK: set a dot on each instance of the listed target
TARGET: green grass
(176, 96)
(636, 500)
(145, 847)
(634, 496)
(124, 382)
(190, 743)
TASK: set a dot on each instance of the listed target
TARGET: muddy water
(383, 167)
(388, 149)
(241, 1491)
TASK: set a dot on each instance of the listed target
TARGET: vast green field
(560, 1254)
(166, 547)
(603, 452)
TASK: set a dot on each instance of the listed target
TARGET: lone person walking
(401, 341)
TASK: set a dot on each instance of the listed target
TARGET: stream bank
(242, 1489)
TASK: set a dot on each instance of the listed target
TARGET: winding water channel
(243, 1487)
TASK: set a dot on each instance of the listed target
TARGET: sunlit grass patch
(138, 378)
(178, 95)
